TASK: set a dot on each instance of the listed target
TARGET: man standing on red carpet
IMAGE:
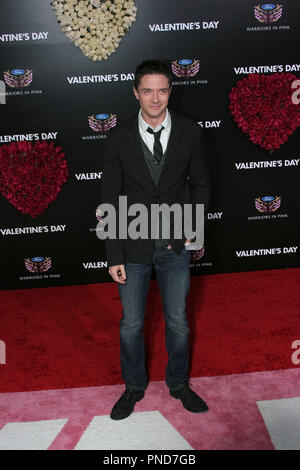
(157, 158)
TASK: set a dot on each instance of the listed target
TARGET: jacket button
(157, 196)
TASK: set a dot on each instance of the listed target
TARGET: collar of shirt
(149, 138)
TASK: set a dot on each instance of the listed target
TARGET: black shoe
(190, 400)
(125, 405)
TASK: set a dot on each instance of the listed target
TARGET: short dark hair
(151, 67)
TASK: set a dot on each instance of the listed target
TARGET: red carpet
(68, 336)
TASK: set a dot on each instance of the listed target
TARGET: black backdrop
(59, 101)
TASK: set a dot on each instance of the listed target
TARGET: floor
(254, 411)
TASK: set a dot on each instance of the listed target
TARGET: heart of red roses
(32, 175)
(263, 108)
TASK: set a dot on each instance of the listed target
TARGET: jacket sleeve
(198, 172)
(111, 189)
(199, 179)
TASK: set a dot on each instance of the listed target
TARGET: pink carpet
(233, 421)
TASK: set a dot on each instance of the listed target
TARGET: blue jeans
(173, 276)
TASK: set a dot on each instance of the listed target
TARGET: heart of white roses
(95, 26)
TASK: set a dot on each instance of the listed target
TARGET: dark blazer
(184, 178)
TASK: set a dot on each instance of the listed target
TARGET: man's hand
(187, 242)
(118, 273)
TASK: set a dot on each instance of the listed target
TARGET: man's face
(153, 94)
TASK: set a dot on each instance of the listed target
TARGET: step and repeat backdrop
(66, 78)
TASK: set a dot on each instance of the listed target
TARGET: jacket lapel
(175, 136)
(136, 152)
